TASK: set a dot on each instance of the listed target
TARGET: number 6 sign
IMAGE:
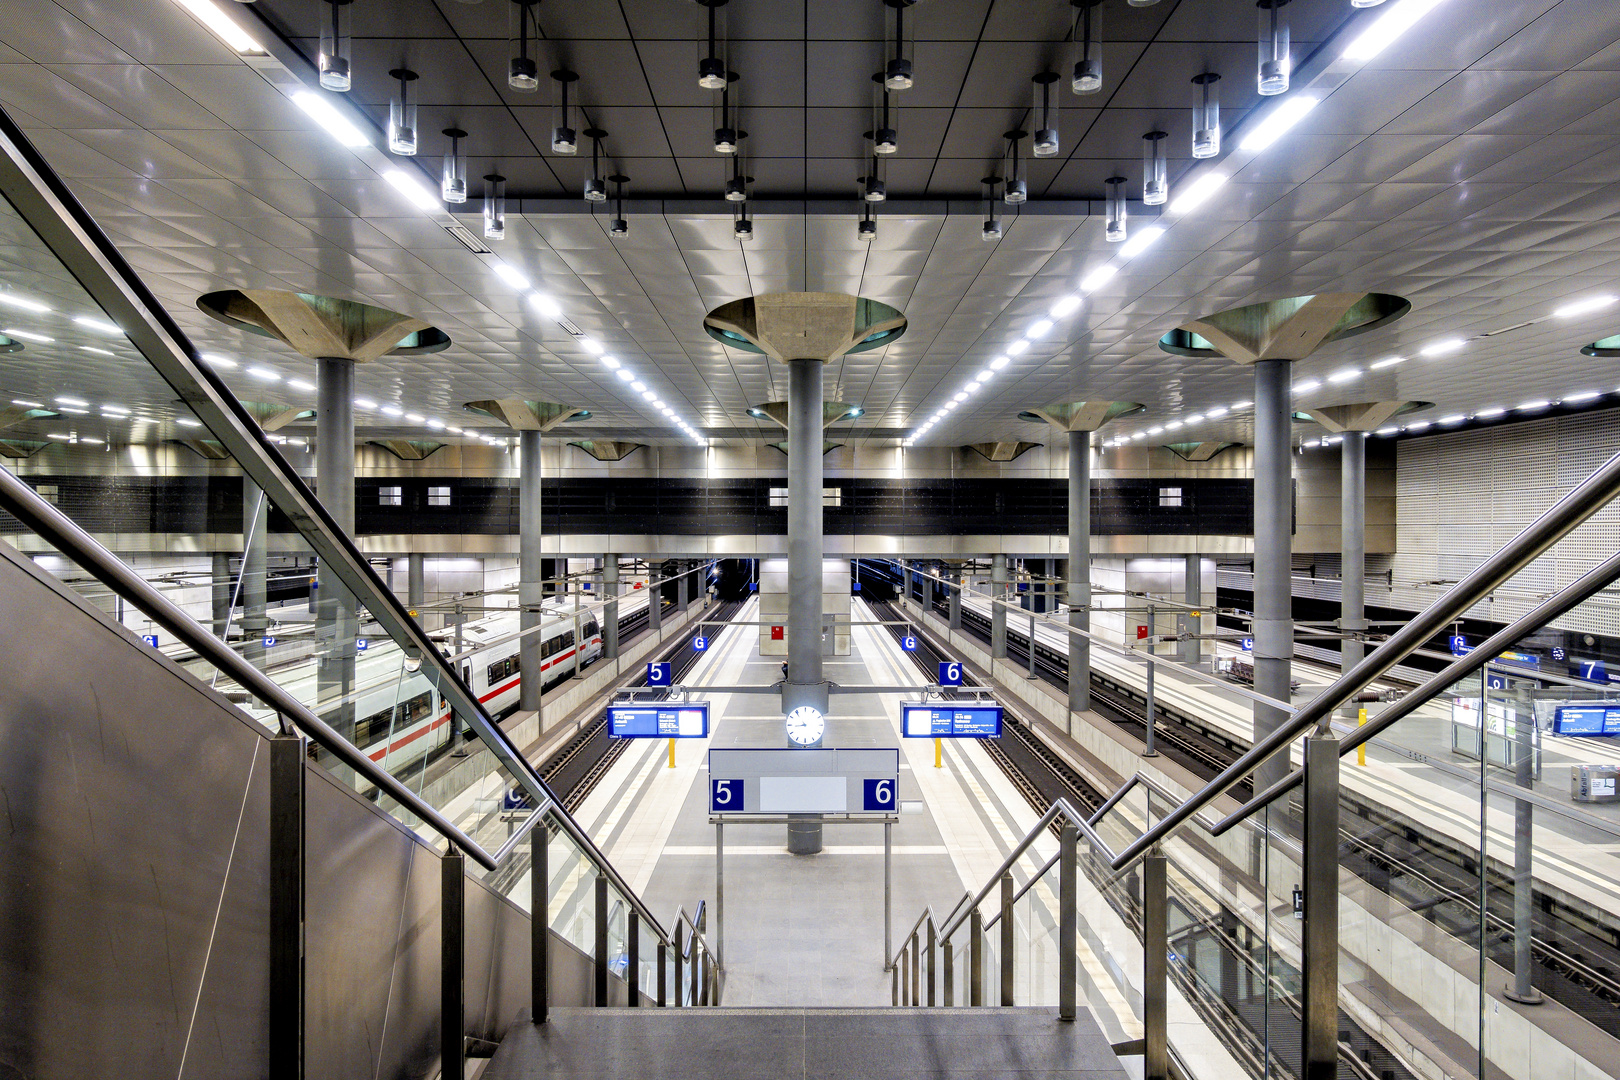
(877, 794)
(950, 673)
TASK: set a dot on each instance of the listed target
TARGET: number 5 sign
(725, 795)
(950, 673)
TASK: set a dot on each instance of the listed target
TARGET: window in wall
(49, 492)
(438, 496)
(1170, 496)
(390, 496)
(779, 496)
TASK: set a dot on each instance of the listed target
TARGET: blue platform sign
(150, 639)
(1557, 652)
(950, 720)
(1460, 646)
(908, 643)
(658, 674)
(855, 586)
(1247, 644)
(878, 794)
(753, 586)
(725, 794)
(360, 644)
(700, 643)
(950, 673)
(1496, 682)
(662, 720)
(269, 641)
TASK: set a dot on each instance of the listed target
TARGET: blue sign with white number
(665, 720)
(658, 674)
(908, 643)
(725, 795)
(950, 673)
(878, 794)
(150, 639)
(1247, 644)
(1460, 646)
(700, 643)
(1496, 682)
(268, 641)
(950, 720)
(360, 644)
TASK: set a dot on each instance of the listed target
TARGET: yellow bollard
(939, 753)
(1361, 751)
(672, 750)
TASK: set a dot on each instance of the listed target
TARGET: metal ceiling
(1470, 168)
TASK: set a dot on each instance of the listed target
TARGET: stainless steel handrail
(25, 504)
(1564, 516)
(1034, 880)
(1566, 599)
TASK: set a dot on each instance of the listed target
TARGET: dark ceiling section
(806, 88)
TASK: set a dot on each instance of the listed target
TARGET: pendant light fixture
(453, 179)
(742, 227)
(1016, 189)
(1088, 71)
(336, 41)
(897, 73)
(1155, 173)
(563, 140)
(1206, 127)
(873, 189)
(1114, 222)
(523, 28)
(619, 225)
(992, 224)
(866, 228)
(402, 115)
(1273, 39)
(712, 68)
(736, 189)
(885, 139)
(494, 207)
(1044, 111)
(725, 128)
(595, 187)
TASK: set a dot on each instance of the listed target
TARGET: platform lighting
(1307, 386)
(494, 206)
(1365, 3)
(712, 68)
(1173, 425)
(1140, 435)
(100, 326)
(885, 138)
(1198, 193)
(22, 304)
(611, 362)
(961, 396)
(897, 72)
(1344, 376)
(648, 395)
(28, 404)
(1155, 170)
(1065, 306)
(545, 305)
(300, 384)
(523, 29)
(364, 403)
(1275, 64)
(27, 335)
(412, 189)
(742, 228)
(725, 128)
(509, 274)
(1486, 414)
(435, 425)
(402, 115)
(1155, 430)
(223, 28)
(1444, 348)
(71, 409)
(984, 376)
(1045, 113)
(563, 140)
(592, 346)
(186, 421)
(1088, 72)
(1454, 418)
(1386, 431)
(115, 410)
(1583, 307)
(1532, 406)
(335, 47)
(264, 374)
(1417, 426)
(1276, 123)
(736, 189)
(595, 186)
(1206, 116)
(324, 113)
(391, 410)
(1114, 221)
(416, 418)
(1217, 412)
(1038, 329)
(1236, 405)
(949, 405)
(64, 400)
(1141, 241)
(638, 386)
(1387, 27)
(625, 374)
(1196, 418)
(1386, 362)
(1098, 278)
(991, 230)
(1015, 189)
(1576, 398)
(453, 430)
(866, 228)
(1018, 347)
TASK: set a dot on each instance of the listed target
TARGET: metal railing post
(632, 970)
(933, 962)
(680, 964)
(1319, 937)
(1147, 749)
(663, 975)
(894, 984)
(916, 969)
(976, 958)
(694, 977)
(949, 965)
(1068, 919)
(1006, 939)
(1155, 968)
(453, 963)
(601, 941)
(286, 1006)
(540, 924)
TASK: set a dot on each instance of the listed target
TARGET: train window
(568, 640)
(438, 496)
(390, 496)
(1169, 496)
(591, 629)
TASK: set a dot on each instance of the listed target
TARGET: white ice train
(401, 719)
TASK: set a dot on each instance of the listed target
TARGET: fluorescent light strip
(72, 401)
(1098, 277)
(1444, 348)
(324, 113)
(412, 189)
(1583, 307)
(11, 299)
(1144, 239)
(1386, 362)
(27, 335)
(1387, 28)
(217, 360)
(100, 326)
(98, 352)
(1197, 193)
(510, 274)
(1276, 123)
(223, 28)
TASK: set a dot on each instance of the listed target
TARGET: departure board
(950, 720)
(664, 720)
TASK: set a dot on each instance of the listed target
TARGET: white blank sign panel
(803, 795)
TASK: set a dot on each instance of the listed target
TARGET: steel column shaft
(453, 963)
(975, 994)
(805, 542)
(540, 925)
(1319, 936)
(998, 613)
(610, 611)
(531, 575)
(286, 1005)
(1079, 572)
(416, 583)
(1068, 919)
(1193, 593)
(220, 575)
(1523, 989)
(1273, 557)
(1353, 547)
(1155, 969)
(600, 940)
(1007, 934)
(334, 479)
(632, 970)
(254, 588)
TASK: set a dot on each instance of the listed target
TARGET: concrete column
(655, 598)
(255, 522)
(1079, 572)
(805, 541)
(1353, 545)
(416, 584)
(1192, 650)
(683, 595)
(335, 617)
(1273, 554)
(955, 601)
(998, 613)
(531, 575)
(220, 578)
(610, 610)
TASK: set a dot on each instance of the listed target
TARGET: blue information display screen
(1586, 720)
(951, 720)
(689, 720)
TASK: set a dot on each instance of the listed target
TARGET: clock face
(805, 725)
